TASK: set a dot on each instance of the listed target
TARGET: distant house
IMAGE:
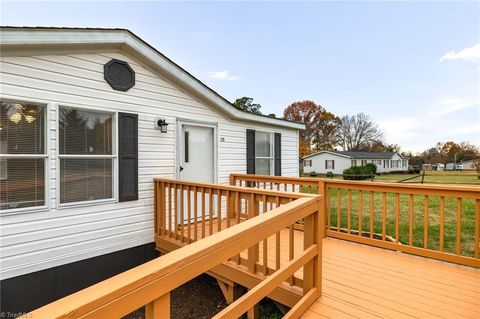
(469, 165)
(337, 161)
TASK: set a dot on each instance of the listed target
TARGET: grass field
(450, 216)
(434, 177)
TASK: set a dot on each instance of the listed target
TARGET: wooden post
(322, 191)
(159, 308)
(253, 252)
(254, 313)
(231, 291)
(312, 235)
(231, 211)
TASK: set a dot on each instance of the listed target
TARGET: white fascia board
(123, 39)
(322, 152)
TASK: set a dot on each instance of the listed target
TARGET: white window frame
(330, 164)
(113, 157)
(272, 152)
(45, 156)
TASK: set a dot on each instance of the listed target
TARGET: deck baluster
(477, 227)
(372, 215)
(459, 226)
(397, 217)
(442, 220)
(410, 221)
(360, 211)
(384, 216)
(425, 222)
(349, 210)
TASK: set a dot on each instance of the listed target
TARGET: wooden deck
(361, 281)
(273, 243)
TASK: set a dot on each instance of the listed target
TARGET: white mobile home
(88, 118)
(337, 161)
(470, 165)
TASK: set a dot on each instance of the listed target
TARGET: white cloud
(451, 105)
(469, 129)
(469, 54)
(223, 75)
(399, 130)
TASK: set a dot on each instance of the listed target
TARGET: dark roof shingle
(367, 155)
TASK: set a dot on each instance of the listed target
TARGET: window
(396, 163)
(263, 153)
(23, 155)
(86, 155)
(377, 162)
(354, 162)
(364, 162)
(307, 163)
(330, 164)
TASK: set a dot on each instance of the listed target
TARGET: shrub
(330, 174)
(371, 168)
(359, 172)
(313, 174)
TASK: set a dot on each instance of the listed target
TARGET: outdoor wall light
(161, 124)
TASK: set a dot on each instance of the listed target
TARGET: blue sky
(414, 67)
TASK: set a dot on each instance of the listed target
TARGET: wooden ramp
(360, 281)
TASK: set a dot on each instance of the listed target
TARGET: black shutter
(250, 151)
(128, 156)
(278, 154)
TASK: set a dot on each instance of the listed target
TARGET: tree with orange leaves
(320, 126)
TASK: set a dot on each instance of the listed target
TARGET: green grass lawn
(450, 217)
(433, 177)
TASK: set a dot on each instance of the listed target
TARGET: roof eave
(21, 38)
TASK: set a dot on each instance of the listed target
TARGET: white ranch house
(337, 161)
(88, 118)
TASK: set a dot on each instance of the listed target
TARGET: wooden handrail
(150, 284)
(380, 206)
(452, 190)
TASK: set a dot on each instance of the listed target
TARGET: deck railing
(440, 222)
(151, 283)
(189, 211)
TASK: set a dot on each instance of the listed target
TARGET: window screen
(22, 155)
(86, 154)
(263, 153)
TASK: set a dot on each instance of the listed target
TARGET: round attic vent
(119, 75)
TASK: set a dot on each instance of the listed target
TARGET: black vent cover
(119, 75)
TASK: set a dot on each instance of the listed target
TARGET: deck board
(360, 281)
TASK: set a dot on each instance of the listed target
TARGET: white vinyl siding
(35, 241)
(342, 162)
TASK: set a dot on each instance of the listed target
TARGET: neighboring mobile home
(88, 118)
(337, 161)
(470, 165)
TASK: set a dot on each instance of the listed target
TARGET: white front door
(197, 153)
(196, 147)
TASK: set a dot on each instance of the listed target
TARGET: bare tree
(357, 132)
(476, 165)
